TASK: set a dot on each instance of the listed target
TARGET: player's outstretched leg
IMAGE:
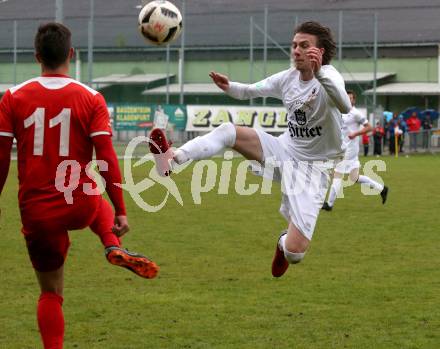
(198, 148)
(279, 262)
(208, 145)
(135, 262)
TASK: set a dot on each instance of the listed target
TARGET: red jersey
(53, 118)
(414, 124)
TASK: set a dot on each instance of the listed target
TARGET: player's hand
(121, 226)
(315, 56)
(352, 135)
(220, 80)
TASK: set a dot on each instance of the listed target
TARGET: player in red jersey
(57, 122)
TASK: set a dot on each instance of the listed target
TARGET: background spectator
(365, 142)
(378, 135)
(427, 126)
(413, 124)
(391, 125)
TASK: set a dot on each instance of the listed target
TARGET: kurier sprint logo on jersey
(300, 117)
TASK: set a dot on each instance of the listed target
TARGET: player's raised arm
(222, 81)
(334, 85)
(365, 129)
(269, 87)
(101, 137)
(105, 152)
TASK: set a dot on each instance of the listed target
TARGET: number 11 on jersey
(62, 118)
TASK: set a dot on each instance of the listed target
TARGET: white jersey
(352, 122)
(314, 110)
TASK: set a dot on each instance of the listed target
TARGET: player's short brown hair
(52, 43)
(324, 36)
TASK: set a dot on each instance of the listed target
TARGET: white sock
(208, 145)
(334, 190)
(370, 182)
(282, 241)
(180, 157)
(292, 257)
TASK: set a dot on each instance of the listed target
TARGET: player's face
(300, 44)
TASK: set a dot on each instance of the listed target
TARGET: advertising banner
(206, 118)
(134, 117)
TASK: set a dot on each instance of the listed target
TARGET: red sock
(110, 239)
(103, 223)
(51, 320)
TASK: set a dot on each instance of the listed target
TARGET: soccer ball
(160, 22)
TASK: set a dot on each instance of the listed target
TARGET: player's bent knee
(230, 133)
(227, 126)
(292, 257)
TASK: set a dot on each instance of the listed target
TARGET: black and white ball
(160, 22)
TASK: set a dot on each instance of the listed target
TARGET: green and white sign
(134, 117)
(177, 116)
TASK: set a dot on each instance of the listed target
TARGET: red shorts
(46, 226)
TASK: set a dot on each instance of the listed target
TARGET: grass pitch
(371, 278)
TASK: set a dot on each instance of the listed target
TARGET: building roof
(407, 88)
(226, 22)
(365, 78)
(212, 89)
(200, 88)
(196, 89)
(131, 79)
(126, 79)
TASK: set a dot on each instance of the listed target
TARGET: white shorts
(349, 163)
(346, 166)
(304, 184)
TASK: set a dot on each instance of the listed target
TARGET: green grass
(370, 280)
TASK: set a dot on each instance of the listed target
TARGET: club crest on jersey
(300, 117)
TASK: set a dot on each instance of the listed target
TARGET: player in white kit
(355, 124)
(314, 95)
